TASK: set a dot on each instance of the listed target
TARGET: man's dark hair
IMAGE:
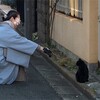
(11, 13)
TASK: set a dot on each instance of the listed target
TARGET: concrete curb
(71, 77)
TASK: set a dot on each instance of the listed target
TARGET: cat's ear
(78, 62)
(80, 59)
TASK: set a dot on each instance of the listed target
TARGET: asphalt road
(44, 82)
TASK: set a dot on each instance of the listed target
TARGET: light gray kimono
(9, 38)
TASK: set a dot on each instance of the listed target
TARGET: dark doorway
(30, 17)
(20, 9)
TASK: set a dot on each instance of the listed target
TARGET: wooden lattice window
(70, 7)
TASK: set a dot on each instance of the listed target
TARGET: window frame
(73, 8)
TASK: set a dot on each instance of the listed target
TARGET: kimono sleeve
(15, 41)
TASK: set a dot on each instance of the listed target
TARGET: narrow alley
(44, 82)
(68, 26)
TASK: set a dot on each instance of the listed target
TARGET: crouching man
(15, 50)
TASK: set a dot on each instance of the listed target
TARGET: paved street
(44, 82)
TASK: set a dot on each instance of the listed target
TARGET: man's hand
(47, 51)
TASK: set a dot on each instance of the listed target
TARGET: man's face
(16, 21)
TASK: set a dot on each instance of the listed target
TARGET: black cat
(82, 73)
